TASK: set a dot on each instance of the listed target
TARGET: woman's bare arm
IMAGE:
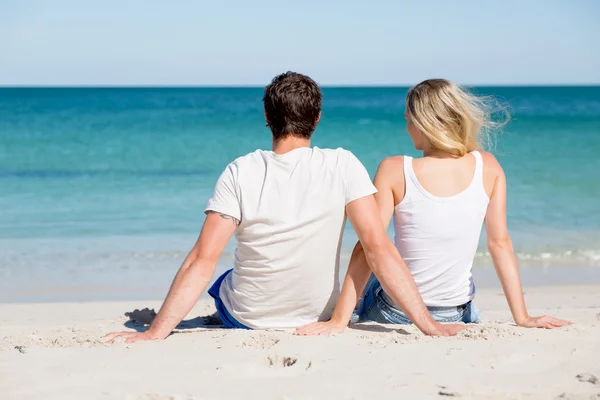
(503, 255)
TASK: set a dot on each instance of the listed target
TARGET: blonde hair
(452, 119)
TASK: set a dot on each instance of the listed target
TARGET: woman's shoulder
(390, 171)
(492, 172)
(491, 166)
(391, 166)
(393, 162)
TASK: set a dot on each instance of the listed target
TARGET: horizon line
(253, 86)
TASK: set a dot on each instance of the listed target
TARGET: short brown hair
(292, 105)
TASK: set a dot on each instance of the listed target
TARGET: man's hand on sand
(543, 322)
(131, 337)
(320, 328)
(447, 329)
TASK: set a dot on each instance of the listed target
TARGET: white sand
(54, 351)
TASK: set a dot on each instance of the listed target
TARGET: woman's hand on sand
(320, 328)
(131, 337)
(543, 322)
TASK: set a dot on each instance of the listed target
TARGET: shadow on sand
(141, 319)
(378, 328)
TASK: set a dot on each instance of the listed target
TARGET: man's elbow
(203, 265)
(378, 248)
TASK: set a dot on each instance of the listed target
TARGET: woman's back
(438, 223)
(438, 203)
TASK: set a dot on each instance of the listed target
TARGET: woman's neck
(435, 153)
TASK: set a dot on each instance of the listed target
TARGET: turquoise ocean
(102, 190)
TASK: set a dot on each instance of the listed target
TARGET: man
(287, 208)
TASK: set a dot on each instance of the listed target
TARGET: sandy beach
(55, 351)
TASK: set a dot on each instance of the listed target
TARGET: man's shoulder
(250, 158)
(260, 158)
(337, 153)
(326, 150)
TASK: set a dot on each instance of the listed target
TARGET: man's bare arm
(358, 269)
(191, 280)
(388, 266)
(235, 221)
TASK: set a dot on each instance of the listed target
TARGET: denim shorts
(377, 306)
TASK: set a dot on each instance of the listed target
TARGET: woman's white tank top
(438, 237)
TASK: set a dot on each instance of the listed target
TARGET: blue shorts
(226, 318)
(377, 306)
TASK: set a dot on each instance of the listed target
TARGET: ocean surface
(102, 191)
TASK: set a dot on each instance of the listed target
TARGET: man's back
(291, 209)
(287, 209)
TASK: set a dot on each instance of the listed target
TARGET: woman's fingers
(559, 322)
(546, 322)
(551, 322)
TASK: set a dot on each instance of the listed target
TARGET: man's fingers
(132, 339)
(451, 330)
(110, 338)
(460, 328)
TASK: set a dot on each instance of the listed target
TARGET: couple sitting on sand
(287, 208)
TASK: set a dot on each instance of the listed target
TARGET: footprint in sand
(278, 361)
(588, 378)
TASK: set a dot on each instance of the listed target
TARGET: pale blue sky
(247, 42)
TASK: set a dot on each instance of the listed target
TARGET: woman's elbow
(358, 250)
(499, 244)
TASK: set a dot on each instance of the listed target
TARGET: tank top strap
(478, 177)
(409, 177)
(407, 165)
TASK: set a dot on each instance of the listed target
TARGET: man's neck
(289, 143)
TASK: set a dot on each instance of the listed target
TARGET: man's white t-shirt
(291, 209)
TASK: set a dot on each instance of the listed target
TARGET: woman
(438, 203)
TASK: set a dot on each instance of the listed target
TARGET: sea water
(102, 190)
